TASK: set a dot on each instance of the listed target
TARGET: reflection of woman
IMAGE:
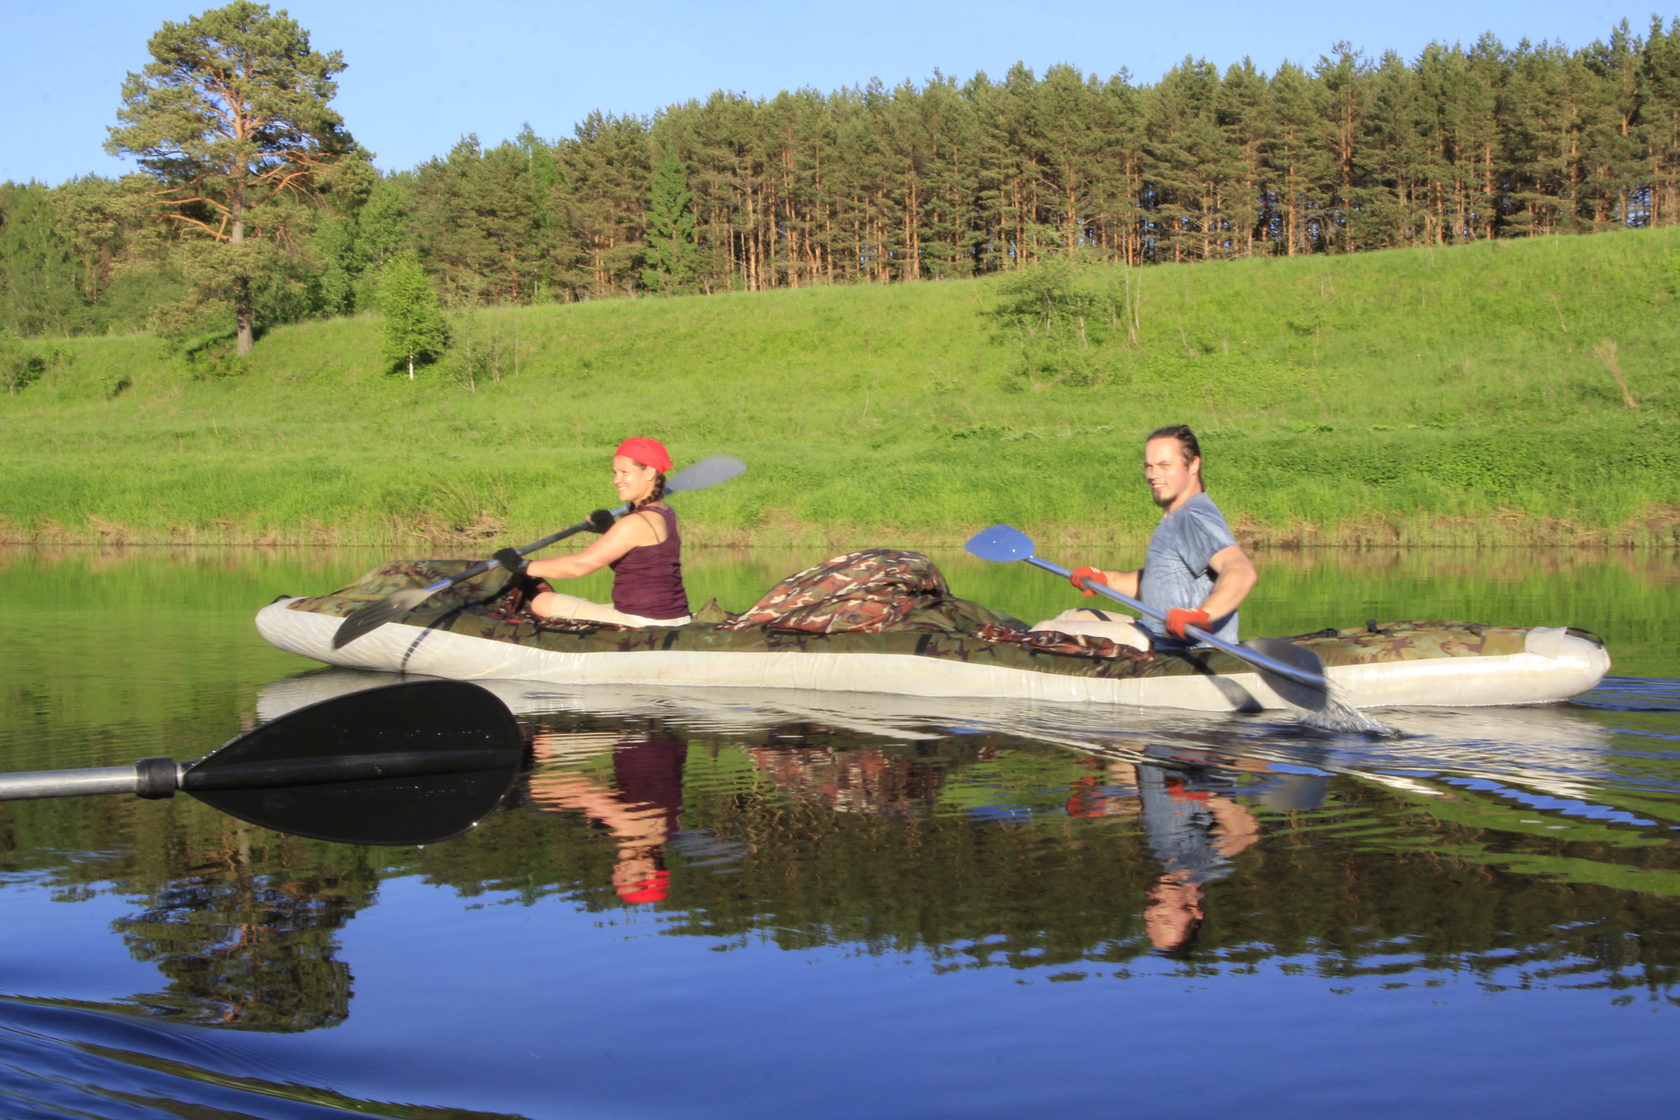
(641, 807)
(643, 548)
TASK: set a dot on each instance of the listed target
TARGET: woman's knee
(548, 604)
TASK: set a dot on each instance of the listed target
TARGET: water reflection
(1193, 827)
(970, 835)
(247, 947)
(865, 780)
(947, 906)
(639, 801)
(936, 774)
(1196, 819)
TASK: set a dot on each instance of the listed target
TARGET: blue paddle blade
(707, 472)
(1294, 673)
(1000, 542)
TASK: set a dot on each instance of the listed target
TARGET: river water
(704, 903)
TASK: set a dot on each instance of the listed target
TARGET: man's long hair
(1187, 445)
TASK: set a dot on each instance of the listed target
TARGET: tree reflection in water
(249, 944)
(1212, 842)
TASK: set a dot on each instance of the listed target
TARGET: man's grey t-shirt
(1175, 568)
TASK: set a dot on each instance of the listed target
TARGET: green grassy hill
(1510, 392)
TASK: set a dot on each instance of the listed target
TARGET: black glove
(510, 559)
(600, 521)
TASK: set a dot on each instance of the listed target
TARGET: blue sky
(423, 73)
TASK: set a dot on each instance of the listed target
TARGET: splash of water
(1342, 718)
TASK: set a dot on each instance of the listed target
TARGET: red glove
(1093, 574)
(1178, 618)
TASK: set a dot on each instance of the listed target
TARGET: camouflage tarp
(885, 589)
(1376, 643)
(860, 592)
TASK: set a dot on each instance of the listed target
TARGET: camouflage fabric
(1411, 641)
(860, 592)
(883, 589)
(1071, 645)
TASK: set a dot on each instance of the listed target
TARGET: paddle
(406, 763)
(1294, 673)
(707, 472)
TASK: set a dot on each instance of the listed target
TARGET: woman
(643, 548)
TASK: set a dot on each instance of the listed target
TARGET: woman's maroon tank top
(647, 581)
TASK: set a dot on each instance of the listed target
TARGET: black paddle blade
(1314, 697)
(1000, 542)
(371, 617)
(407, 763)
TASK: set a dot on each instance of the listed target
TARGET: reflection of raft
(931, 645)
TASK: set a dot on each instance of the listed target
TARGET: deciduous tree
(415, 328)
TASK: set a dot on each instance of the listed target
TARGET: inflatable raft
(883, 621)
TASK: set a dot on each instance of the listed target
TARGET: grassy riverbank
(1496, 393)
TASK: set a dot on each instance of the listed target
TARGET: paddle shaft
(363, 620)
(485, 565)
(709, 472)
(1253, 657)
(161, 777)
(33, 784)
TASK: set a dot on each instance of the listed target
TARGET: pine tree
(1398, 131)
(1659, 120)
(671, 254)
(1292, 115)
(1346, 83)
(39, 289)
(230, 117)
(608, 180)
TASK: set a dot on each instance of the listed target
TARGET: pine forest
(944, 179)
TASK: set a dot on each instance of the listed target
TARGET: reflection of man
(641, 807)
(1173, 915)
(1193, 826)
(1194, 829)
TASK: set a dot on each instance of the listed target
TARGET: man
(1194, 571)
